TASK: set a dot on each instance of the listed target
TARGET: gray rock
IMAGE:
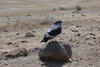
(58, 51)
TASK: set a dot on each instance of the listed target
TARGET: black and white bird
(52, 31)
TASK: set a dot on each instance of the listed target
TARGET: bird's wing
(47, 35)
(51, 28)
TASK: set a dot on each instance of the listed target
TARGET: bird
(52, 31)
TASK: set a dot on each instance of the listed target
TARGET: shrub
(54, 9)
(78, 8)
(62, 8)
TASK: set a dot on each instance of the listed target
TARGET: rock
(83, 15)
(5, 30)
(24, 41)
(93, 34)
(87, 38)
(78, 34)
(9, 43)
(74, 30)
(58, 51)
(33, 31)
(16, 53)
(29, 34)
(78, 26)
(94, 37)
(17, 33)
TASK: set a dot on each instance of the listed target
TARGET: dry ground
(17, 17)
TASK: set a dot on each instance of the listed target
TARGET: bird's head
(58, 22)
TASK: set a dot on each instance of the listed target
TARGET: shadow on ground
(50, 63)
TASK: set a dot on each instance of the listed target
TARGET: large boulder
(16, 53)
(58, 51)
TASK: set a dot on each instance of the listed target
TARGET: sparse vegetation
(78, 8)
(23, 24)
(54, 9)
(62, 8)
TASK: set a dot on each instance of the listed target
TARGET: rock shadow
(50, 63)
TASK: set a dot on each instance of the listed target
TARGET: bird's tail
(42, 41)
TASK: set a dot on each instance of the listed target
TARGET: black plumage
(52, 31)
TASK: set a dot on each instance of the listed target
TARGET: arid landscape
(24, 22)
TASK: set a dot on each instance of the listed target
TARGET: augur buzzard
(52, 31)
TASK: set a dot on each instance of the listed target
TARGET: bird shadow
(52, 63)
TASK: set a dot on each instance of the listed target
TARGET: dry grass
(36, 16)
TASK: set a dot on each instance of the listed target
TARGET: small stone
(95, 41)
(33, 31)
(17, 33)
(5, 63)
(78, 34)
(24, 41)
(80, 58)
(74, 30)
(77, 60)
(9, 43)
(94, 37)
(77, 42)
(29, 34)
(5, 30)
(92, 34)
(78, 26)
(83, 15)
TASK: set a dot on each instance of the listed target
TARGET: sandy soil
(80, 30)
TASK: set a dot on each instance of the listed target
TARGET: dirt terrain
(80, 30)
